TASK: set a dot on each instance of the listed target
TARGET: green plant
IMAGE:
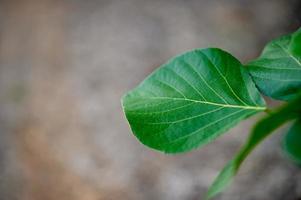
(197, 96)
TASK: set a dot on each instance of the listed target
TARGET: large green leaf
(292, 142)
(261, 130)
(191, 100)
(277, 72)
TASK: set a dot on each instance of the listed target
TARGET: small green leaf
(277, 72)
(191, 100)
(292, 142)
(261, 130)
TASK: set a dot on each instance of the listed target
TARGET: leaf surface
(295, 45)
(277, 72)
(191, 100)
(292, 142)
(261, 130)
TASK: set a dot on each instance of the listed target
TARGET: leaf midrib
(211, 103)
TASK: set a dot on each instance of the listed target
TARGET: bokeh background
(64, 65)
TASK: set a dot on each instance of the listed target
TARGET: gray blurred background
(64, 64)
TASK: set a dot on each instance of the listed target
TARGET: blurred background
(64, 65)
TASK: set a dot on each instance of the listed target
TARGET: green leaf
(277, 72)
(260, 131)
(191, 100)
(292, 142)
(295, 45)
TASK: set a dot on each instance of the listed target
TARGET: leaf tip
(222, 180)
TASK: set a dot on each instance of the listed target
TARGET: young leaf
(191, 100)
(277, 72)
(292, 142)
(261, 130)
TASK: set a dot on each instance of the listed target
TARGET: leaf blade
(292, 142)
(191, 100)
(277, 71)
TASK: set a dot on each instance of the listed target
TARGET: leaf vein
(211, 103)
(185, 119)
(220, 73)
(201, 95)
(290, 55)
(204, 80)
(204, 127)
(160, 112)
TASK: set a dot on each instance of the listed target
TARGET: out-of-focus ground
(64, 66)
